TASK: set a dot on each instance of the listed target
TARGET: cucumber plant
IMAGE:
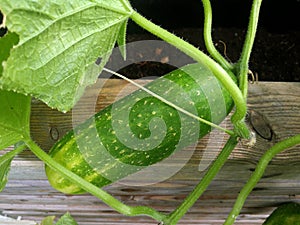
(50, 52)
(109, 133)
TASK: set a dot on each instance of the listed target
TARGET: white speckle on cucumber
(140, 130)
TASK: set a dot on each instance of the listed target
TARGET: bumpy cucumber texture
(140, 130)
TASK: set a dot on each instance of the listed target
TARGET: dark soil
(276, 53)
(275, 56)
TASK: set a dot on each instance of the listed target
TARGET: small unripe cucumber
(140, 130)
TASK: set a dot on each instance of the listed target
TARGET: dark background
(276, 52)
(275, 16)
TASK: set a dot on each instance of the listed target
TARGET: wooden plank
(274, 115)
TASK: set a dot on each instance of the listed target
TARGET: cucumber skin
(87, 149)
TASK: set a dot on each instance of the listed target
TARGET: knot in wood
(260, 125)
(54, 133)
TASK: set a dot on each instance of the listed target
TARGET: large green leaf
(5, 161)
(14, 117)
(4, 170)
(59, 44)
(6, 44)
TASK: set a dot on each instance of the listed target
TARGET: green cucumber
(140, 130)
(286, 214)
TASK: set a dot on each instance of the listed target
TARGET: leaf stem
(92, 189)
(175, 216)
(258, 173)
(225, 77)
(208, 39)
(243, 66)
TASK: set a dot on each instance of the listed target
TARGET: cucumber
(286, 214)
(140, 130)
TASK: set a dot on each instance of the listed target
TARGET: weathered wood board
(273, 113)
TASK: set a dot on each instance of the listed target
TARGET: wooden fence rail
(274, 114)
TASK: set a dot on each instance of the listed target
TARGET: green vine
(176, 215)
(243, 64)
(208, 39)
(258, 173)
(234, 78)
(92, 189)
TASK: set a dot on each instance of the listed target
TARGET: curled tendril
(225, 50)
(253, 77)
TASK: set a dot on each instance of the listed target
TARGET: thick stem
(243, 67)
(247, 48)
(226, 78)
(258, 173)
(203, 184)
(97, 192)
(208, 39)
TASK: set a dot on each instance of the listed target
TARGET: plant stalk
(208, 39)
(258, 173)
(243, 65)
(176, 215)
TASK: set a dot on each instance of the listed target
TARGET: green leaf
(5, 161)
(4, 170)
(6, 43)
(59, 44)
(14, 117)
(49, 220)
(66, 219)
(122, 39)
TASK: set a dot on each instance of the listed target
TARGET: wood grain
(273, 114)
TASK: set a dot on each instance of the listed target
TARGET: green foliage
(49, 220)
(66, 219)
(60, 42)
(4, 169)
(5, 161)
(14, 117)
(6, 43)
(50, 53)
